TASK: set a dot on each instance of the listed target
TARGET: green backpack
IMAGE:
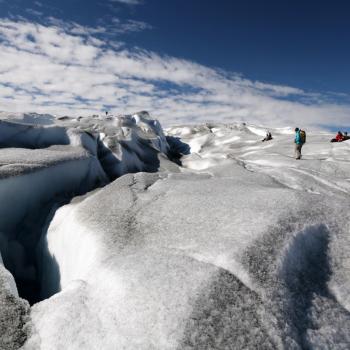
(302, 136)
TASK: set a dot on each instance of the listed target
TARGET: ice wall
(44, 167)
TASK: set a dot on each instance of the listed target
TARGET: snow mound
(127, 143)
(131, 144)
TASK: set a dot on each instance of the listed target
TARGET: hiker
(346, 137)
(268, 137)
(338, 138)
(300, 139)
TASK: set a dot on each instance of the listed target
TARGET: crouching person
(268, 137)
(339, 137)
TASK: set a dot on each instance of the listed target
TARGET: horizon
(19, 117)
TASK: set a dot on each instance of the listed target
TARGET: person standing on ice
(299, 141)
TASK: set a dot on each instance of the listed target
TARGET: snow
(28, 118)
(323, 168)
(235, 245)
(257, 131)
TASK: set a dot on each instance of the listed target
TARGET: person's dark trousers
(298, 150)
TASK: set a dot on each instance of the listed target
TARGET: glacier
(117, 234)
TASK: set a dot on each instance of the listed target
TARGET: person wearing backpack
(300, 139)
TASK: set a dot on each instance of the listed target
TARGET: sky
(273, 63)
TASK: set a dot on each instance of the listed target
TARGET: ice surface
(14, 313)
(240, 247)
(196, 261)
(323, 168)
(28, 118)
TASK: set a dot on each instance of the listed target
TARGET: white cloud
(63, 68)
(34, 12)
(113, 26)
(128, 26)
(128, 2)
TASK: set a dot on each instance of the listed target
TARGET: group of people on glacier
(300, 139)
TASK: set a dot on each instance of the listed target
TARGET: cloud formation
(128, 2)
(65, 68)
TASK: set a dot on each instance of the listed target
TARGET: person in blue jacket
(298, 143)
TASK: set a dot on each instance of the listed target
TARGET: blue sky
(268, 62)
